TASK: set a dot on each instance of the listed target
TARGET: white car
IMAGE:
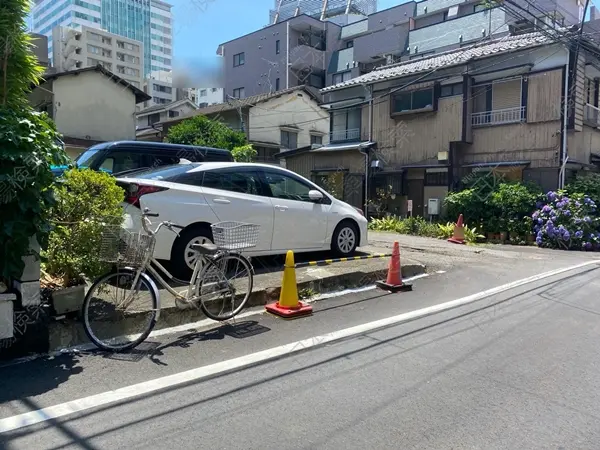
(293, 213)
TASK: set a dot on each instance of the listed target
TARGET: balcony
(498, 117)
(350, 135)
(355, 29)
(306, 57)
(591, 115)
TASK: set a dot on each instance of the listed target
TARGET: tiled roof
(167, 106)
(247, 102)
(140, 96)
(448, 59)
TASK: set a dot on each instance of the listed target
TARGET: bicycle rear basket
(235, 235)
(120, 246)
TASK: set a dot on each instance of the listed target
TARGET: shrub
(86, 202)
(418, 226)
(244, 153)
(202, 131)
(567, 222)
(514, 203)
(585, 184)
(28, 149)
(473, 204)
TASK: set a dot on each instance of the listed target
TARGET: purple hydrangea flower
(538, 204)
(551, 196)
(546, 209)
(540, 221)
(567, 213)
(566, 236)
(578, 204)
(587, 219)
(538, 240)
(560, 205)
(579, 234)
(587, 245)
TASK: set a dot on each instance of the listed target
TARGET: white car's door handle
(221, 200)
(281, 207)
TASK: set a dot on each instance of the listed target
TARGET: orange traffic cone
(393, 283)
(458, 236)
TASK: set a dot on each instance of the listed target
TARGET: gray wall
(40, 48)
(263, 65)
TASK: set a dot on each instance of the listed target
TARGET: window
(451, 89)
(340, 77)
(277, 84)
(153, 118)
(213, 90)
(202, 105)
(345, 125)
(242, 182)
(121, 161)
(289, 140)
(316, 140)
(436, 177)
(287, 188)
(173, 113)
(203, 93)
(413, 101)
(349, 44)
(239, 93)
(238, 59)
(277, 46)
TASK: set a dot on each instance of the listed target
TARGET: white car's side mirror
(315, 196)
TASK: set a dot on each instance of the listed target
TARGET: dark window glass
(241, 182)
(287, 188)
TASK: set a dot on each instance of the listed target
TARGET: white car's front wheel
(345, 239)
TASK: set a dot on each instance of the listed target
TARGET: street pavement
(514, 370)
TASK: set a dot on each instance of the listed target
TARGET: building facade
(82, 46)
(302, 49)
(423, 127)
(209, 96)
(89, 105)
(147, 21)
(275, 122)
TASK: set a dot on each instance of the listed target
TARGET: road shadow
(36, 377)
(239, 330)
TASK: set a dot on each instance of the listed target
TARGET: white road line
(94, 401)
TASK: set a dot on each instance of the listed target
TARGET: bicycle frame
(150, 261)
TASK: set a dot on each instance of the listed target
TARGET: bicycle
(131, 254)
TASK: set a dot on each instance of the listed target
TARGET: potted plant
(86, 202)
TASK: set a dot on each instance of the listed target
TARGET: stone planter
(68, 300)
(6, 316)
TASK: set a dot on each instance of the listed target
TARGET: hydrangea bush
(567, 222)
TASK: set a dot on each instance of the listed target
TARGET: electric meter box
(433, 206)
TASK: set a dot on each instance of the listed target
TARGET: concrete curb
(70, 333)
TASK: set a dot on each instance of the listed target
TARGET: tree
(28, 145)
(202, 131)
(18, 66)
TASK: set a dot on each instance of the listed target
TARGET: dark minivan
(120, 157)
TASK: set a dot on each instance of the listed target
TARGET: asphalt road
(518, 369)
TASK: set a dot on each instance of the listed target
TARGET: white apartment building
(150, 22)
(208, 96)
(159, 85)
(82, 46)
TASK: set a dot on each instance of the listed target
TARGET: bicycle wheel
(224, 286)
(117, 318)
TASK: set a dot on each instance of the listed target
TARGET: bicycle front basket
(120, 246)
(235, 235)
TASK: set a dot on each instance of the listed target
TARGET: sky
(201, 25)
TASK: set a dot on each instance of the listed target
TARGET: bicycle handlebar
(146, 223)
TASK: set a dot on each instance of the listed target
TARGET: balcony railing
(352, 134)
(591, 115)
(498, 116)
